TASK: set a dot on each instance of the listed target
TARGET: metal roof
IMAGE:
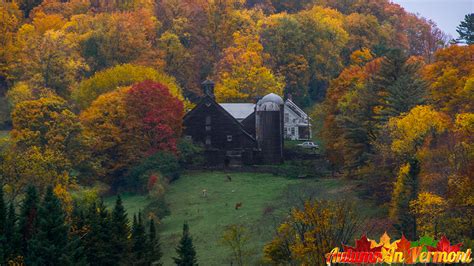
(239, 111)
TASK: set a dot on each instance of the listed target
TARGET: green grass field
(4, 134)
(266, 200)
(132, 203)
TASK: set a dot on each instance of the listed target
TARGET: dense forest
(95, 91)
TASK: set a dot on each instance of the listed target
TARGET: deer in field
(238, 205)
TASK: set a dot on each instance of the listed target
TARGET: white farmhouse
(297, 122)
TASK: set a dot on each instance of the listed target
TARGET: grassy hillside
(266, 200)
(4, 134)
(132, 203)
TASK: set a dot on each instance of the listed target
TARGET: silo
(269, 128)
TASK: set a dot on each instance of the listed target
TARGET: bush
(299, 169)
(190, 154)
(156, 192)
(158, 207)
(85, 196)
(163, 162)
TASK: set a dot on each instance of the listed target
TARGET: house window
(293, 132)
(208, 123)
(208, 140)
(229, 138)
(188, 137)
(287, 117)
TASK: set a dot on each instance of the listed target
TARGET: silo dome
(272, 97)
(271, 102)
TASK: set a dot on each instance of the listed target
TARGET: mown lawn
(266, 199)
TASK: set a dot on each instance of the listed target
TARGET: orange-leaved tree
(129, 124)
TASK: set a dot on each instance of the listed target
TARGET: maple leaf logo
(445, 246)
(384, 242)
(404, 246)
(424, 242)
(363, 245)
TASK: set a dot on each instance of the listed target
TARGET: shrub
(158, 207)
(156, 192)
(190, 154)
(163, 162)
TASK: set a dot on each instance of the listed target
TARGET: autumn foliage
(90, 90)
(129, 124)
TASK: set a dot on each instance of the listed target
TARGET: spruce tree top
(185, 249)
(466, 30)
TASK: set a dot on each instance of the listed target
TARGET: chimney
(208, 88)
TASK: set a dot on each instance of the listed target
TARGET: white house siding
(296, 122)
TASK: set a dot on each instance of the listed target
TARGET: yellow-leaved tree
(242, 74)
(120, 76)
(429, 210)
(410, 131)
(46, 145)
(312, 231)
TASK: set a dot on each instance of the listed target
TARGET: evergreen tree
(28, 217)
(49, 246)
(139, 240)
(97, 240)
(399, 85)
(360, 126)
(3, 219)
(405, 190)
(466, 30)
(3, 212)
(28, 5)
(120, 231)
(78, 223)
(185, 249)
(77, 232)
(154, 246)
(12, 248)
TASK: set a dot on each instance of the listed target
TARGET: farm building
(237, 133)
(297, 122)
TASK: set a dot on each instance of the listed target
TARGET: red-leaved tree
(156, 114)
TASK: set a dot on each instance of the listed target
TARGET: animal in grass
(204, 193)
(238, 205)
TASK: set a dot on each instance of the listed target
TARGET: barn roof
(239, 111)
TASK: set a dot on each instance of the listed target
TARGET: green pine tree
(28, 217)
(399, 85)
(97, 240)
(3, 219)
(12, 248)
(49, 246)
(466, 30)
(154, 246)
(120, 232)
(139, 240)
(360, 126)
(3, 212)
(185, 249)
(77, 232)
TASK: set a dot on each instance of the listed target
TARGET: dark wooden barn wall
(221, 126)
